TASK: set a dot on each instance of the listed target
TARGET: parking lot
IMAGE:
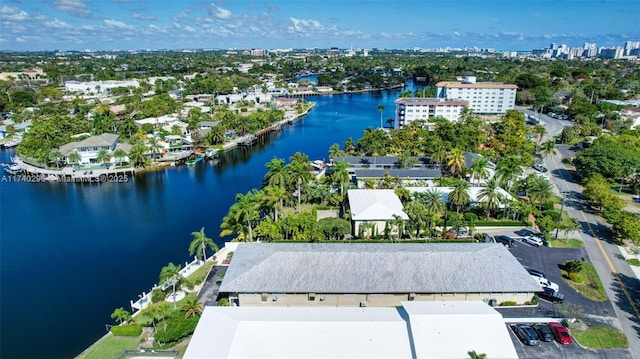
(547, 260)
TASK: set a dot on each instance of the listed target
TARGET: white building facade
(411, 109)
(483, 97)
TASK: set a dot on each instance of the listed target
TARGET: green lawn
(110, 347)
(566, 243)
(199, 275)
(634, 261)
(591, 286)
(596, 337)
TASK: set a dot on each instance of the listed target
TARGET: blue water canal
(72, 253)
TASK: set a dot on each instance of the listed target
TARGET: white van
(545, 283)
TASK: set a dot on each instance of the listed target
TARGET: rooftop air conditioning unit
(363, 304)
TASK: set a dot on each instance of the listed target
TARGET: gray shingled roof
(105, 139)
(378, 161)
(375, 268)
(413, 173)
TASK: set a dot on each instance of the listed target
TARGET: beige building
(379, 275)
(483, 97)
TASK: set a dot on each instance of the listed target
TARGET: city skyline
(142, 24)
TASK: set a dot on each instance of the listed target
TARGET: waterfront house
(412, 330)
(373, 209)
(374, 275)
(89, 148)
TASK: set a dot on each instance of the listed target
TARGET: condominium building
(411, 109)
(483, 97)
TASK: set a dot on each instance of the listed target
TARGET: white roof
(427, 331)
(375, 204)
(438, 327)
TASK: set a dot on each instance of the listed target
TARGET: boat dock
(69, 174)
(249, 140)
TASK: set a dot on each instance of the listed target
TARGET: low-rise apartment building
(379, 275)
(483, 97)
(409, 109)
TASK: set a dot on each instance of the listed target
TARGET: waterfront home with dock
(89, 148)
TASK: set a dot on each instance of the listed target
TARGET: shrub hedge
(508, 303)
(507, 223)
(131, 330)
(177, 328)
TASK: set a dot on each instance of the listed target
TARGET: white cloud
(305, 26)
(118, 24)
(20, 39)
(218, 12)
(137, 15)
(74, 7)
(57, 24)
(189, 29)
(8, 13)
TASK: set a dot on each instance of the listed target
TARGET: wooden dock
(70, 174)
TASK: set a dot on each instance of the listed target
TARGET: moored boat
(194, 161)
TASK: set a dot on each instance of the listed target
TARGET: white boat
(52, 178)
(10, 144)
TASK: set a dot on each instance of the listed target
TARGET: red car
(560, 332)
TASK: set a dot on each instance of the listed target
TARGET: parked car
(577, 147)
(551, 295)
(536, 272)
(533, 240)
(507, 241)
(545, 283)
(544, 332)
(560, 332)
(526, 334)
(460, 231)
(539, 167)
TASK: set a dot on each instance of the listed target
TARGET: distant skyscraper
(629, 46)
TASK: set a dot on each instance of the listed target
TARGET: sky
(36, 25)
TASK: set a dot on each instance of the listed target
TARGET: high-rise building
(483, 97)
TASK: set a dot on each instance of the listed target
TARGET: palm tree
(154, 146)
(276, 175)
(299, 174)
(56, 155)
(541, 191)
(340, 175)
(540, 131)
(121, 315)
(381, 109)
(489, 195)
(439, 155)
(548, 148)
(334, 151)
(171, 272)
(456, 161)
(459, 196)
(119, 155)
(474, 355)
(191, 307)
(74, 158)
(247, 209)
(273, 198)
(434, 205)
(103, 156)
(417, 215)
(507, 169)
(161, 312)
(479, 169)
(138, 155)
(200, 243)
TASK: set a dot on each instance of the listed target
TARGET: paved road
(621, 286)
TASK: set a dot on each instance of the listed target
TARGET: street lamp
(564, 196)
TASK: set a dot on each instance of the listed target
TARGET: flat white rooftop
(416, 330)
